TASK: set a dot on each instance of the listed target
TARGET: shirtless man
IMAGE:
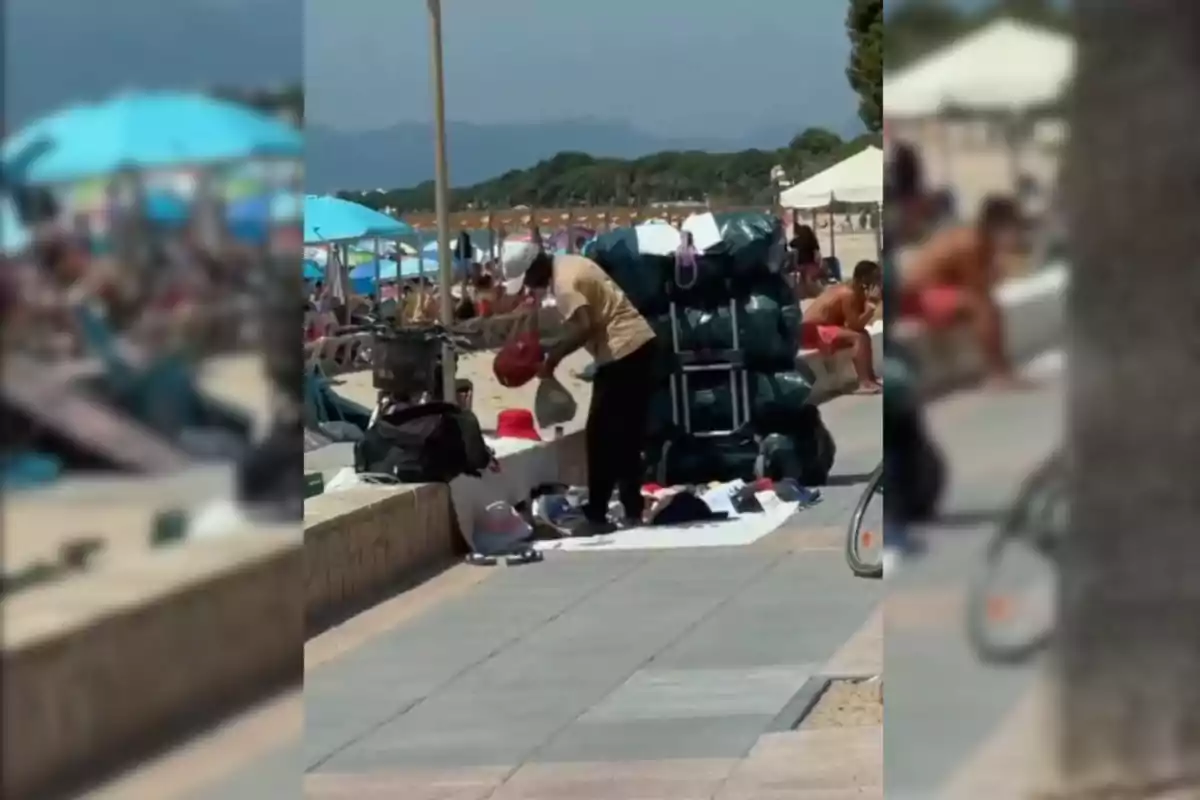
(951, 277)
(839, 317)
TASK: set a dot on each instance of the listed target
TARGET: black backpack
(427, 443)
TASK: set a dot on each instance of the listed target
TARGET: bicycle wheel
(1010, 609)
(864, 543)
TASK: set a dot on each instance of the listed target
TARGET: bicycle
(859, 542)
(1035, 525)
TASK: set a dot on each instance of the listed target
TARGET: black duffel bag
(427, 443)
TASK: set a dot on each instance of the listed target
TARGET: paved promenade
(667, 674)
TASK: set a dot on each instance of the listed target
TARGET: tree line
(572, 179)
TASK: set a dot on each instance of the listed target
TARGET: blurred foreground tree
(864, 23)
(1128, 665)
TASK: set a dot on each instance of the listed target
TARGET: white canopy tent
(1007, 66)
(857, 179)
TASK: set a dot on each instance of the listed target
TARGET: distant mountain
(402, 155)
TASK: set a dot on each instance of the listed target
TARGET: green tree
(864, 23)
(579, 179)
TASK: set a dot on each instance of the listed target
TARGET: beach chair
(323, 405)
(159, 393)
(76, 428)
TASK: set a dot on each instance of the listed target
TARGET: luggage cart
(693, 362)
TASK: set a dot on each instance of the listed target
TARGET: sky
(669, 67)
(60, 51)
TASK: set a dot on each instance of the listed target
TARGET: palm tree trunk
(1128, 665)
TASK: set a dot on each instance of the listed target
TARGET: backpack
(427, 443)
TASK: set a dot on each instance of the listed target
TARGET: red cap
(518, 362)
(517, 423)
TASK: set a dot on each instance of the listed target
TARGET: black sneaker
(587, 527)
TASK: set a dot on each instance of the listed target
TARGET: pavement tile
(862, 654)
(691, 779)
(655, 739)
(826, 764)
(465, 784)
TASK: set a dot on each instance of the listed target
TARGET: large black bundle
(777, 403)
(767, 334)
(642, 276)
(743, 262)
(754, 243)
(743, 250)
(805, 455)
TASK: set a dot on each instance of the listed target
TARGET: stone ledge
(359, 542)
(104, 666)
(834, 372)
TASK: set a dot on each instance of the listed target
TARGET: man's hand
(546, 370)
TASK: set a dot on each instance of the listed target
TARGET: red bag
(518, 361)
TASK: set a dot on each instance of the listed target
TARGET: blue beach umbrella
(331, 219)
(251, 218)
(14, 236)
(313, 271)
(147, 130)
(388, 270)
(167, 209)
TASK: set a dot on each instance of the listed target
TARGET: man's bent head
(867, 274)
(1001, 224)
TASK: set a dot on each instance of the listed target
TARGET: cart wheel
(864, 547)
(1008, 624)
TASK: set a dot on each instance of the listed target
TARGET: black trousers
(616, 432)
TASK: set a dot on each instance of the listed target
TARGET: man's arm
(576, 330)
(856, 319)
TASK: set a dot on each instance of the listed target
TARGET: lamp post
(441, 194)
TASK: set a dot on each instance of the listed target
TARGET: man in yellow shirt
(600, 318)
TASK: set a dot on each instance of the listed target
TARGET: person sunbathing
(838, 319)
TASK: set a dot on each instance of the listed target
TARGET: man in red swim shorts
(839, 317)
(951, 278)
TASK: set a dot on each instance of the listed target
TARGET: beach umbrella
(147, 130)
(364, 274)
(388, 270)
(430, 253)
(14, 236)
(313, 271)
(411, 267)
(331, 219)
(167, 209)
(275, 208)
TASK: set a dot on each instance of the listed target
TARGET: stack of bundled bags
(739, 257)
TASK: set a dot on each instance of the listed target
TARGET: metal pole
(378, 281)
(442, 189)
